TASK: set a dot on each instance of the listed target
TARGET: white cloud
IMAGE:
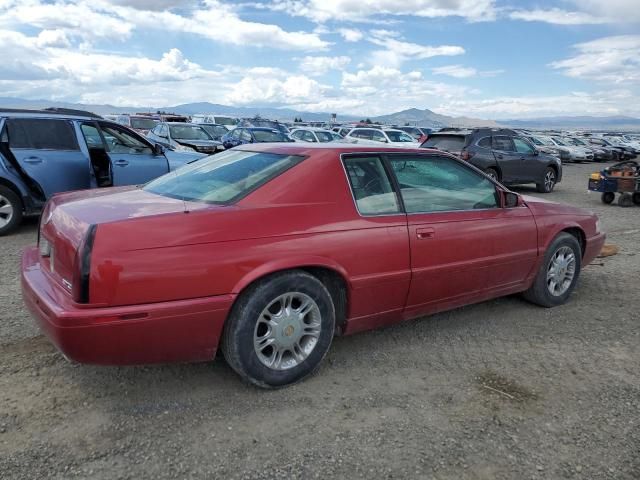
(321, 65)
(456, 71)
(613, 59)
(252, 89)
(397, 51)
(368, 10)
(587, 12)
(557, 16)
(351, 34)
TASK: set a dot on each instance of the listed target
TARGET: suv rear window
(448, 143)
(222, 178)
(41, 134)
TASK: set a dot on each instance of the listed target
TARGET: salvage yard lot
(502, 389)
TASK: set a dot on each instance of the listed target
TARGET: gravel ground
(503, 389)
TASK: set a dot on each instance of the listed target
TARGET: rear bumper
(176, 331)
(593, 248)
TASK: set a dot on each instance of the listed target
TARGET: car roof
(262, 129)
(48, 112)
(304, 148)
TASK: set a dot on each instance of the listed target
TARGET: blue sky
(481, 58)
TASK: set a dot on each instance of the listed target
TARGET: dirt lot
(502, 389)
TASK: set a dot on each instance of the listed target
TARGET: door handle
(33, 160)
(425, 233)
(122, 163)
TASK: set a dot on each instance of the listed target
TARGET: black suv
(502, 154)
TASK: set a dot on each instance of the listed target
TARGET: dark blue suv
(49, 151)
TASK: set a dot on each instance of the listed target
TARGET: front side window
(245, 136)
(399, 136)
(377, 135)
(522, 146)
(308, 137)
(269, 136)
(120, 141)
(92, 136)
(371, 187)
(439, 184)
(297, 134)
(222, 178)
(325, 137)
(41, 134)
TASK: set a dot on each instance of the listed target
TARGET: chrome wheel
(549, 180)
(561, 271)
(287, 331)
(6, 211)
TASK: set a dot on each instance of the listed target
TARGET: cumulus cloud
(557, 16)
(613, 59)
(321, 65)
(587, 12)
(397, 51)
(351, 34)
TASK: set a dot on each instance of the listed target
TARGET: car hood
(198, 143)
(540, 206)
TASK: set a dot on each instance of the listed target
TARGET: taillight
(466, 155)
(82, 267)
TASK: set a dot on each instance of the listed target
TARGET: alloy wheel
(561, 271)
(6, 211)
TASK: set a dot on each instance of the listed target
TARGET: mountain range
(412, 116)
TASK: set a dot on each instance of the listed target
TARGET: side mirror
(536, 152)
(158, 149)
(510, 199)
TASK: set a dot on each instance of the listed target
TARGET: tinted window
(216, 131)
(376, 135)
(41, 134)
(222, 178)
(485, 142)
(188, 132)
(448, 143)
(371, 186)
(522, 146)
(504, 144)
(92, 136)
(268, 136)
(325, 136)
(143, 123)
(245, 136)
(297, 134)
(120, 141)
(436, 184)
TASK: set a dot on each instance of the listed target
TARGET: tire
(548, 181)
(492, 173)
(254, 338)
(635, 198)
(10, 210)
(625, 200)
(608, 197)
(540, 291)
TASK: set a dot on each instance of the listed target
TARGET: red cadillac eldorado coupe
(268, 251)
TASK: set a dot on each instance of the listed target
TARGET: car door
(48, 151)
(464, 245)
(132, 158)
(532, 168)
(508, 160)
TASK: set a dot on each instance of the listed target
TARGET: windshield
(222, 178)
(225, 121)
(546, 141)
(269, 136)
(575, 141)
(143, 123)
(324, 136)
(535, 141)
(396, 136)
(216, 131)
(448, 143)
(559, 142)
(188, 132)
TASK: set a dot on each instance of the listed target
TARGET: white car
(376, 136)
(576, 153)
(228, 122)
(313, 135)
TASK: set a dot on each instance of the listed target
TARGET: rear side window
(438, 184)
(503, 143)
(485, 142)
(223, 178)
(371, 186)
(448, 143)
(41, 134)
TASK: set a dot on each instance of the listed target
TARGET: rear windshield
(448, 143)
(222, 178)
(143, 123)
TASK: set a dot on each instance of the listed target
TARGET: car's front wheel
(548, 181)
(558, 273)
(10, 210)
(280, 329)
(492, 174)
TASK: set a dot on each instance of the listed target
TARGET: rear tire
(279, 329)
(608, 197)
(492, 173)
(558, 274)
(10, 210)
(636, 198)
(548, 181)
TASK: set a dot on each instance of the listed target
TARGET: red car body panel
(164, 273)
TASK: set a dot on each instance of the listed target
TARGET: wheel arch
(14, 188)
(332, 275)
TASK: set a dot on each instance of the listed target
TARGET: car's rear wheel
(548, 181)
(608, 197)
(558, 274)
(492, 173)
(10, 210)
(280, 329)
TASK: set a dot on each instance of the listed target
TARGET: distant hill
(577, 122)
(427, 118)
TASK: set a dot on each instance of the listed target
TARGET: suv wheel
(548, 181)
(10, 210)
(280, 329)
(492, 174)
